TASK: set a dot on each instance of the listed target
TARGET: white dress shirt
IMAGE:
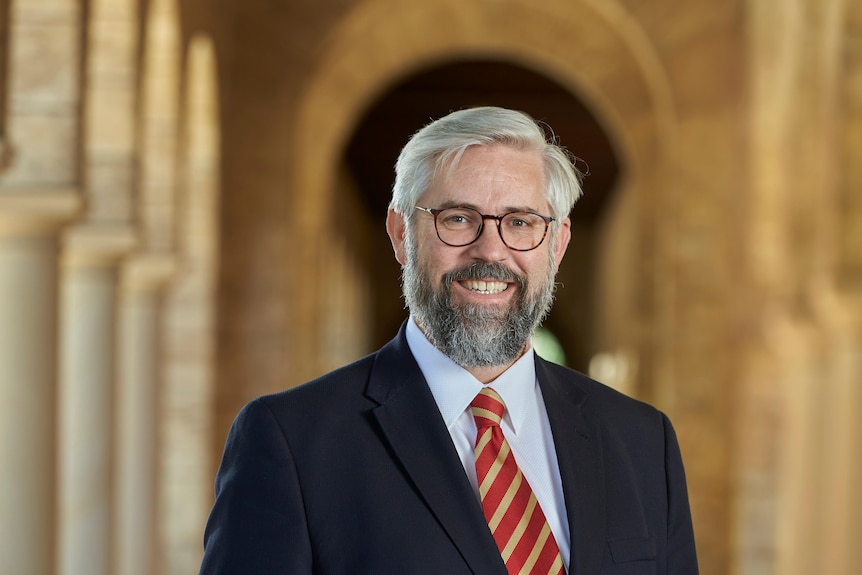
(525, 424)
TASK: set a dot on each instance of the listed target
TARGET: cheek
(435, 256)
(540, 267)
(425, 241)
(428, 261)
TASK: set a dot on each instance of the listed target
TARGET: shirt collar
(453, 387)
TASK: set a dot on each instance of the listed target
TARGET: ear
(397, 230)
(563, 237)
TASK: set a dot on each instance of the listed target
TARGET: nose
(489, 245)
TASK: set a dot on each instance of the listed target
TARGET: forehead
(494, 176)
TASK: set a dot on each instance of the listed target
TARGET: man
(454, 448)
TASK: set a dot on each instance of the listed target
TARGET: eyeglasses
(459, 226)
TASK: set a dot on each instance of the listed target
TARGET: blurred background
(192, 205)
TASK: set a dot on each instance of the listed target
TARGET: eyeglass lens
(519, 230)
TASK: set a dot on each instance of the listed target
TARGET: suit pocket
(634, 549)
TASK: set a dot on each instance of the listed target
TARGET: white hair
(442, 142)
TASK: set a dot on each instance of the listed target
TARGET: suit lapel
(411, 424)
(578, 444)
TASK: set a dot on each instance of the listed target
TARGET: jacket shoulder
(349, 380)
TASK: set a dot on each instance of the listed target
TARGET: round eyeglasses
(460, 226)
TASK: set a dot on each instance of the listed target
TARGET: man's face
(480, 303)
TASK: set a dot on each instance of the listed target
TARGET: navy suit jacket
(355, 473)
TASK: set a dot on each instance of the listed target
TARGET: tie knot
(487, 408)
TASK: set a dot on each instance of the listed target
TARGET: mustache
(482, 271)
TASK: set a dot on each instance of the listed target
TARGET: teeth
(484, 287)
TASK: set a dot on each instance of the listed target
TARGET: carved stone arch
(594, 49)
(606, 60)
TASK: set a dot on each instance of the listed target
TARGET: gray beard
(475, 335)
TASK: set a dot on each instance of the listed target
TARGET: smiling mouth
(485, 287)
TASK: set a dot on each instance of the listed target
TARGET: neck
(487, 374)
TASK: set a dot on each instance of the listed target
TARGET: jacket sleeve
(681, 554)
(257, 523)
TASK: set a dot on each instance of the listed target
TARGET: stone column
(29, 263)
(143, 280)
(87, 375)
(39, 192)
(93, 250)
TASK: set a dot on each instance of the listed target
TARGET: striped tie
(513, 514)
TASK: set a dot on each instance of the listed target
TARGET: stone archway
(598, 52)
(606, 61)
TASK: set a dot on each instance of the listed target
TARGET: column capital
(38, 211)
(148, 271)
(95, 244)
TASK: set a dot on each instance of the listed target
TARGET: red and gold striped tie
(516, 520)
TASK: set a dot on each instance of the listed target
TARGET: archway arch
(608, 64)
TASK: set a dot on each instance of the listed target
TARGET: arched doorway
(608, 64)
(432, 92)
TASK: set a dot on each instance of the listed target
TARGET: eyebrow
(507, 209)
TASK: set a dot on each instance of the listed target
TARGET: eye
(458, 218)
(522, 221)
